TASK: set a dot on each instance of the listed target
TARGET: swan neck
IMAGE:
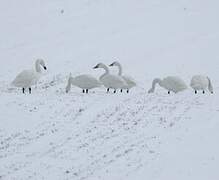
(37, 66)
(210, 87)
(106, 71)
(120, 69)
(154, 83)
(68, 87)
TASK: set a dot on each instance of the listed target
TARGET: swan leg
(23, 90)
(86, 90)
(203, 92)
(83, 91)
(127, 90)
(29, 90)
(196, 92)
(168, 92)
(108, 90)
(115, 91)
(121, 90)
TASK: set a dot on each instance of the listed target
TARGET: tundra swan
(29, 77)
(85, 82)
(109, 80)
(202, 83)
(129, 81)
(171, 83)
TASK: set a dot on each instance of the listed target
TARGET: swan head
(42, 63)
(99, 65)
(116, 63)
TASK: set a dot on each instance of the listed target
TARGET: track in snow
(81, 136)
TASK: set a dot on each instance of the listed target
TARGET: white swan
(30, 77)
(200, 82)
(109, 80)
(171, 83)
(129, 81)
(85, 82)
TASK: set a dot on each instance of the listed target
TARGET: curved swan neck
(106, 71)
(155, 81)
(37, 66)
(68, 87)
(120, 69)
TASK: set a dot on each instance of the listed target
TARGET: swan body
(109, 80)
(85, 82)
(199, 82)
(30, 77)
(129, 80)
(170, 83)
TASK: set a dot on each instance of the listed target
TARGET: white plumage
(200, 82)
(28, 78)
(109, 80)
(85, 82)
(170, 83)
(129, 80)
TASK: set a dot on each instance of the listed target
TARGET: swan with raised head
(30, 77)
(170, 83)
(200, 82)
(129, 80)
(109, 80)
(85, 82)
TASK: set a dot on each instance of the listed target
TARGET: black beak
(45, 67)
(95, 67)
(111, 64)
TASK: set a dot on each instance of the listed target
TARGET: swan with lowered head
(202, 83)
(85, 82)
(129, 81)
(30, 77)
(170, 83)
(109, 80)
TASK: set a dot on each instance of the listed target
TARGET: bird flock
(27, 78)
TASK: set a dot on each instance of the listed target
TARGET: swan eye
(45, 67)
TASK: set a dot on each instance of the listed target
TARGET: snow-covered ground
(53, 135)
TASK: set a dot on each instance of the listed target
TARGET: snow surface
(53, 135)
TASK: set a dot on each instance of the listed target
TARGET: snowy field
(53, 135)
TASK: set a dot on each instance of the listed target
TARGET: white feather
(84, 81)
(113, 81)
(170, 83)
(28, 78)
(129, 80)
(110, 80)
(200, 82)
